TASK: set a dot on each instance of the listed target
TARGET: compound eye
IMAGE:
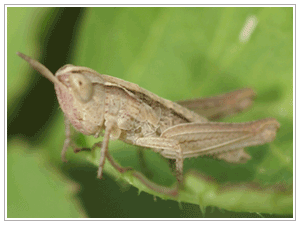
(82, 87)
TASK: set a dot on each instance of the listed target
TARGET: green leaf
(30, 180)
(191, 52)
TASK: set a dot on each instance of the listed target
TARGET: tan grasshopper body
(94, 103)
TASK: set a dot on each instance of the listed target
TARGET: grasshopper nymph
(94, 103)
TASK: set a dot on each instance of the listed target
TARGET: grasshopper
(94, 103)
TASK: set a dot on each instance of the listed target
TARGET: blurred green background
(176, 53)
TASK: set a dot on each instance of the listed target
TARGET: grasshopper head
(80, 93)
